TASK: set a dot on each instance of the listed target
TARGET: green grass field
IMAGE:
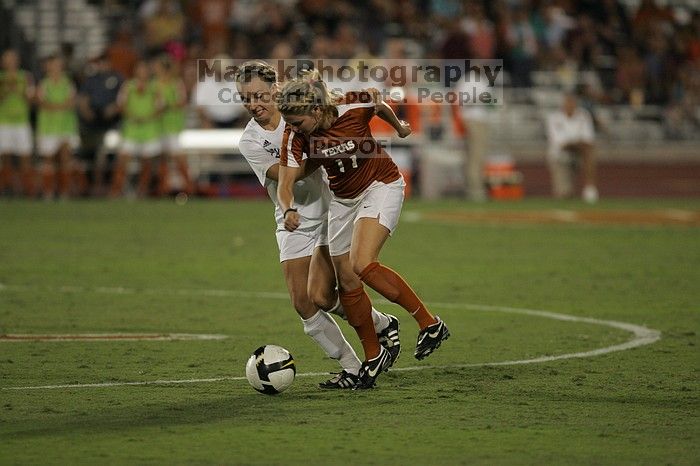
(211, 268)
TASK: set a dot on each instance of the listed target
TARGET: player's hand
(292, 221)
(405, 129)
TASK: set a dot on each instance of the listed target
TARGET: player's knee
(321, 298)
(359, 264)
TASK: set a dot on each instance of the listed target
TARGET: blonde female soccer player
(304, 256)
(332, 131)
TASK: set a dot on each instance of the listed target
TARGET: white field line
(640, 336)
(58, 337)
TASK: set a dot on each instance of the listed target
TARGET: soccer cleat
(342, 380)
(389, 338)
(371, 369)
(430, 339)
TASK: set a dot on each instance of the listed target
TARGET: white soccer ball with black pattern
(270, 369)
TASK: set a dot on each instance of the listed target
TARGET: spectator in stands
(140, 105)
(57, 128)
(16, 94)
(173, 95)
(570, 135)
(630, 77)
(166, 25)
(121, 53)
(98, 110)
(476, 122)
(213, 98)
(522, 48)
(480, 31)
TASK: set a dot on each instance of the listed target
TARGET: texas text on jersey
(347, 150)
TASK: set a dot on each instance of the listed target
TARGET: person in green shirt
(16, 94)
(173, 95)
(57, 128)
(141, 107)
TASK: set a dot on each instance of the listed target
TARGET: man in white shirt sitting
(570, 134)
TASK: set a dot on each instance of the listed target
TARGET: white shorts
(16, 139)
(380, 200)
(140, 149)
(296, 244)
(170, 143)
(48, 145)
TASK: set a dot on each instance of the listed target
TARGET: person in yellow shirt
(16, 94)
(57, 127)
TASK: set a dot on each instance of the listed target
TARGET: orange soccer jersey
(351, 156)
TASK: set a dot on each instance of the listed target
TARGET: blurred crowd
(643, 55)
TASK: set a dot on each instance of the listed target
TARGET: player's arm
(290, 169)
(285, 195)
(387, 114)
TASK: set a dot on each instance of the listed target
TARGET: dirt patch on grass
(594, 217)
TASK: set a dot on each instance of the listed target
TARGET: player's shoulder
(359, 99)
(250, 137)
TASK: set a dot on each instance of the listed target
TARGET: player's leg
(64, 159)
(383, 203)
(324, 293)
(163, 172)
(323, 288)
(26, 171)
(144, 176)
(353, 297)
(295, 257)
(48, 147)
(561, 175)
(588, 165)
(184, 171)
(119, 173)
(6, 172)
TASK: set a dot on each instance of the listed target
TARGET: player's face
(305, 124)
(258, 100)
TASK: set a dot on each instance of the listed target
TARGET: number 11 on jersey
(341, 166)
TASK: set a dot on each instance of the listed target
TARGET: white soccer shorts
(48, 145)
(297, 244)
(380, 200)
(140, 149)
(16, 139)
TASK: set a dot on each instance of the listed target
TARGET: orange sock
(118, 179)
(393, 287)
(144, 178)
(163, 187)
(5, 176)
(64, 182)
(359, 311)
(47, 180)
(185, 174)
(28, 181)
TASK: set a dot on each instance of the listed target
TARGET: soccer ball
(270, 369)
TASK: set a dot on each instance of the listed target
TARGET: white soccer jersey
(563, 129)
(261, 148)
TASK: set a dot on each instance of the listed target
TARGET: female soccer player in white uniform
(304, 255)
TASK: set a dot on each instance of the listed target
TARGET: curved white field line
(640, 336)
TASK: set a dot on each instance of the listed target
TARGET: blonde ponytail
(301, 95)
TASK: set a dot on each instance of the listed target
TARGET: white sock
(338, 310)
(323, 329)
(381, 321)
